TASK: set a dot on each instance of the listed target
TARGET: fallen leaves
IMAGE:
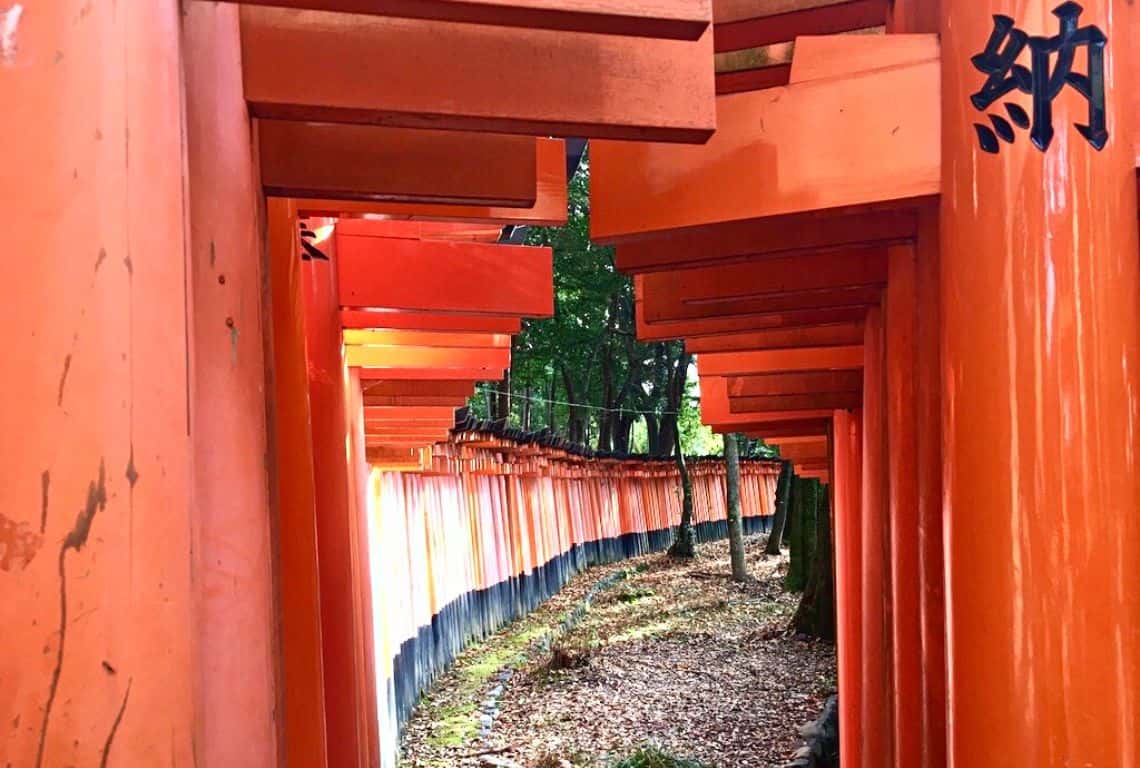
(679, 657)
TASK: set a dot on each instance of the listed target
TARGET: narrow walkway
(672, 654)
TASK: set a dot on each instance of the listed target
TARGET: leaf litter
(674, 659)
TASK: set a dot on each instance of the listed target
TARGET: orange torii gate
(182, 402)
(942, 313)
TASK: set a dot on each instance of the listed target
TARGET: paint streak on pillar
(875, 545)
(1041, 412)
(97, 617)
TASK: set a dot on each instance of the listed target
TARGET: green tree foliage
(582, 373)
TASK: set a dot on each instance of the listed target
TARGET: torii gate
(869, 256)
(857, 232)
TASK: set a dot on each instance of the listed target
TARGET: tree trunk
(550, 404)
(526, 409)
(779, 520)
(735, 525)
(802, 533)
(684, 544)
(816, 613)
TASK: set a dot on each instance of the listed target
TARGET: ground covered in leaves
(671, 655)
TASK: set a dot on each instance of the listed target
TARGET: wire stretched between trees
(538, 399)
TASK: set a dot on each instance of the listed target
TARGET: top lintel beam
(412, 73)
(668, 19)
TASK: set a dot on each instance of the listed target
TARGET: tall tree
(816, 613)
(684, 541)
(779, 520)
(732, 502)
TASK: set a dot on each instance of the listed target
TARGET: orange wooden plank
(868, 137)
(757, 79)
(420, 388)
(715, 326)
(765, 285)
(777, 235)
(422, 74)
(801, 359)
(818, 57)
(809, 382)
(369, 162)
(783, 27)
(668, 19)
(778, 429)
(805, 452)
(414, 400)
(430, 230)
(390, 338)
(549, 207)
(715, 407)
(380, 413)
(781, 338)
(367, 319)
(799, 440)
(440, 276)
(388, 358)
(760, 404)
(432, 374)
(389, 426)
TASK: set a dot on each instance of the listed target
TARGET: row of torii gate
(900, 235)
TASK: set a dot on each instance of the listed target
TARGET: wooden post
(1040, 412)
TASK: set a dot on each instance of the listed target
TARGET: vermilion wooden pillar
(848, 578)
(876, 701)
(336, 551)
(1041, 418)
(294, 498)
(902, 441)
(928, 459)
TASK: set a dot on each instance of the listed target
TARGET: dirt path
(672, 654)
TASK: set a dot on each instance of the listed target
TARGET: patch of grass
(633, 595)
(651, 757)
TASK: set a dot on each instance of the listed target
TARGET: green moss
(453, 726)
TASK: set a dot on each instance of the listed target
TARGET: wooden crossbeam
(814, 401)
(778, 429)
(659, 308)
(394, 338)
(432, 374)
(428, 321)
(426, 357)
(670, 19)
(715, 326)
(773, 360)
(439, 388)
(415, 229)
(439, 276)
(383, 413)
(391, 426)
(798, 440)
(868, 137)
(549, 207)
(833, 279)
(779, 235)
(801, 383)
(838, 334)
(805, 452)
(782, 27)
(756, 79)
(414, 400)
(312, 65)
(368, 162)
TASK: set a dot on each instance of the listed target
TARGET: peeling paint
(45, 484)
(18, 544)
(9, 26)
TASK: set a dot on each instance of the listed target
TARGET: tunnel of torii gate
(259, 250)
